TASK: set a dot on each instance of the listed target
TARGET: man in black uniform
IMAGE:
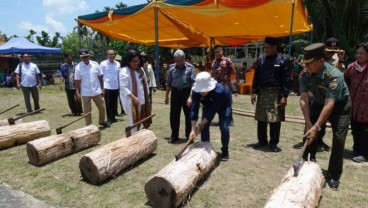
(179, 81)
(331, 101)
(271, 86)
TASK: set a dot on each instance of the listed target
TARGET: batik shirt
(221, 70)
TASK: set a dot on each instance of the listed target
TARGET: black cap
(312, 51)
(83, 52)
(271, 41)
(332, 44)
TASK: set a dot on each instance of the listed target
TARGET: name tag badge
(276, 65)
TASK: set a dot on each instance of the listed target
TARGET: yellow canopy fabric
(224, 22)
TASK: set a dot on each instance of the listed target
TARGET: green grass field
(246, 180)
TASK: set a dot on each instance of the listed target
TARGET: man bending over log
(331, 102)
(215, 98)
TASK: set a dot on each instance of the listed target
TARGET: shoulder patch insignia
(333, 84)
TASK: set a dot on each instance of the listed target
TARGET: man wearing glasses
(29, 76)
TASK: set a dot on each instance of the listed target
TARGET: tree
(121, 5)
(346, 20)
(30, 35)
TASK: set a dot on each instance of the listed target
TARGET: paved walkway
(10, 198)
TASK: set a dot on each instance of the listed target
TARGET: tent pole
(291, 26)
(157, 58)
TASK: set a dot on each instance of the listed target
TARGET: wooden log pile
(6, 123)
(22, 133)
(51, 148)
(305, 190)
(112, 158)
(172, 185)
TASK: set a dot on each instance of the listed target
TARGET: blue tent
(22, 45)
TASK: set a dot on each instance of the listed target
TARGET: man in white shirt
(110, 69)
(89, 85)
(29, 76)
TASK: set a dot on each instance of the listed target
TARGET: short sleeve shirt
(181, 78)
(110, 74)
(88, 74)
(28, 74)
(327, 84)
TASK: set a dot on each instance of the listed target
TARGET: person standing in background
(27, 77)
(148, 69)
(270, 92)
(179, 82)
(89, 86)
(356, 78)
(110, 69)
(67, 71)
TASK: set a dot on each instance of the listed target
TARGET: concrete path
(10, 198)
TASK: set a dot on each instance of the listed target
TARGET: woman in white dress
(134, 93)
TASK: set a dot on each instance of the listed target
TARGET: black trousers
(339, 119)
(274, 132)
(27, 91)
(359, 130)
(111, 103)
(74, 105)
(179, 101)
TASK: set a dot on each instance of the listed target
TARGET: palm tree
(346, 20)
(121, 5)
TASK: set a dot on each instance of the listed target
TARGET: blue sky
(20, 16)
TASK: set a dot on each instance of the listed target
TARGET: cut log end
(160, 192)
(89, 170)
(32, 154)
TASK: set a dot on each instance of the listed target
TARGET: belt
(180, 89)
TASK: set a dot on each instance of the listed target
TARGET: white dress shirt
(88, 74)
(28, 75)
(110, 74)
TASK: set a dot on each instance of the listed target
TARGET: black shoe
(259, 145)
(298, 145)
(323, 147)
(114, 120)
(106, 124)
(334, 184)
(225, 156)
(275, 148)
(74, 114)
(172, 140)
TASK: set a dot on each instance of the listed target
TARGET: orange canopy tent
(190, 23)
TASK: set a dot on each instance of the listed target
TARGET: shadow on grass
(265, 148)
(201, 182)
(178, 142)
(349, 154)
(121, 172)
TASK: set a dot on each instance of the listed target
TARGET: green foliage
(70, 44)
(346, 20)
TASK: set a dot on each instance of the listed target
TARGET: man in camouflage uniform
(331, 101)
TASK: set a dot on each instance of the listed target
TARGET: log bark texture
(112, 158)
(303, 191)
(22, 133)
(47, 149)
(172, 185)
(6, 123)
